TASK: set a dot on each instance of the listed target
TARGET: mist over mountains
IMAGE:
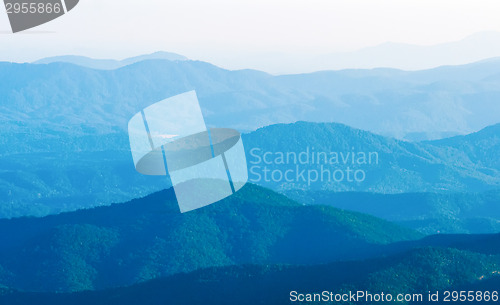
(64, 147)
(62, 121)
(476, 47)
(108, 64)
(64, 174)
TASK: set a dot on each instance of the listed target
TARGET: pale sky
(239, 33)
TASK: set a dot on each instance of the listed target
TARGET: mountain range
(411, 273)
(461, 164)
(416, 150)
(390, 54)
(63, 174)
(418, 105)
(148, 238)
(428, 213)
(109, 64)
(62, 121)
(472, 48)
(256, 246)
(415, 273)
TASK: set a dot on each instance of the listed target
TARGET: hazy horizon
(276, 36)
(365, 58)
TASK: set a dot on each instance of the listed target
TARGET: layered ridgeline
(417, 105)
(448, 186)
(414, 273)
(429, 213)
(314, 156)
(481, 148)
(94, 170)
(63, 141)
(148, 238)
(109, 64)
(254, 247)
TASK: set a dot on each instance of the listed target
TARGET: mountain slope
(455, 174)
(336, 157)
(417, 271)
(60, 119)
(482, 147)
(448, 100)
(429, 213)
(45, 179)
(148, 238)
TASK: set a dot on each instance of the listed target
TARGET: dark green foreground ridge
(148, 238)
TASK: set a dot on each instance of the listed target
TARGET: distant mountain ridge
(429, 213)
(61, 121)
(403, 56)
(418, 105)
(48, 178)
(479, 46)
(482, 147)
(108, 64)
(398, 167)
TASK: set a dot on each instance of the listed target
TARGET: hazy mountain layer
(417, 105)
(61, 174)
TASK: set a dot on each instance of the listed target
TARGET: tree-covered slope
(482, 148)
(429, 213)
(63, 174)
(148, 238)
(418, 271)
(59, 119)
(335, 157)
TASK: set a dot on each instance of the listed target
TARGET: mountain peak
(109, 64)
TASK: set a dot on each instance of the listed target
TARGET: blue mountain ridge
(63, 174)
(148, 238)
(108, 64)
(414, 105)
